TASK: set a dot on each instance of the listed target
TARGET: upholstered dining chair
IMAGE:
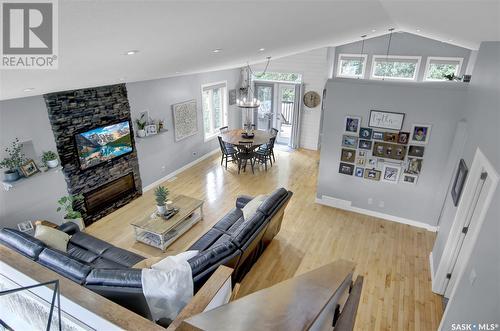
(245, 153)
(264, 154)
(228, 152)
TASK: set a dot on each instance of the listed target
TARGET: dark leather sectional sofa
(107, 270)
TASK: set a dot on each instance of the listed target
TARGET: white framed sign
(386, 120)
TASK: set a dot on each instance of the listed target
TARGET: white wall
(313, 66)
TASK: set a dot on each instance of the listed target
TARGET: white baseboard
(347, 205)
(181, 169)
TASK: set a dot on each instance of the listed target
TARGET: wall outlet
(195, 153)
(370, 201)
(381, 204)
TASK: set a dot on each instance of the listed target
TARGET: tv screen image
(103, 144)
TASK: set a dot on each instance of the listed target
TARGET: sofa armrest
(69, 227)
(242, 200)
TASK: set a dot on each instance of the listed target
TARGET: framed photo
(391, 137)
(372, 174)
(413, 166)
(420, 133)
(458, 183)
(348, 155)
(390, 173)
(389, 151)
(378, 135)
(360, 161)
(365, 144)
(386, 120)
(346, 168)
(352, 124)
(410, 179)
(362, 153)
(29, 168)
(25, 226)
(365, 133)
(185, 119)
(151, 130)
(371, 162)
(416, 150)
(232, 97)
(403, 138)
(359, 172)
(349, 141)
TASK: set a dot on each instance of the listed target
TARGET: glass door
(264, 114)
(284, 121)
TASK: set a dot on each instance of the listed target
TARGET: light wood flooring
(392, 257)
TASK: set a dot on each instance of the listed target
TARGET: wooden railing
(286, 112)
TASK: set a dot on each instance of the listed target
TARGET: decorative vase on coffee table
(161, 209)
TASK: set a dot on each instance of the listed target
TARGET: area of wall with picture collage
(383, 148)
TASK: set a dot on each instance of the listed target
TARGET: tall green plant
(15, 157)
(161, 195)
(66, 204)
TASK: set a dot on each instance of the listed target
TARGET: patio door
(263, 115)
(285, 113)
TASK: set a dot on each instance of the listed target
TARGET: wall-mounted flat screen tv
(103, 144)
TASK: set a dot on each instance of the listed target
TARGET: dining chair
(264, 153)
(245, 153)
(223, 129)
(274, 131)
(227, 151)
(269, 145)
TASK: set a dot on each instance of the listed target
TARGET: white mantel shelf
(7, 186)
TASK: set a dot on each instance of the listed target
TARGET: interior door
(264, 114)
(286, 104)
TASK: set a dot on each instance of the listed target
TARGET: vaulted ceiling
(178, 37)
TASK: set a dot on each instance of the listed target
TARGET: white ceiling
(177, 37)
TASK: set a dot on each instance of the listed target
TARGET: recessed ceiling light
(217, 50)
(373, 30)
(261, 49)
(132, 52)
(418, 30)
(450, 39)
(29, 89)
(177, 72)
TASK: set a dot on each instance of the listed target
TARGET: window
(438, 67)
(351, 65)
(395, 67)
(283, 77)
(214, 102)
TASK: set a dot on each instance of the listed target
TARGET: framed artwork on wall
(349, 141)
(390, 137)
(365, 144)
(185, 119)
(416, 150)
(348, 155)
(372, 174)
(359, 172)
(413, 165)
(386, 120)
(346, 168)
(29, 168)
(352, 124)
(403, 138)
(458, 183)
(390, 173)
(420, 133)
(365, 133)
(378, 135)
(372, 162)
(409, 179)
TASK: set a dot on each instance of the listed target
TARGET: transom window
(279, 77)
(351, 65)
(439, 67)
(395, 67)
(214, 100)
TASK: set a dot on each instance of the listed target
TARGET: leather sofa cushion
(229, 219)
(115, 277)
(222, 239)
(272, 202)
(242, 200)
(81, 254)
(206, 240)
(90, 243)
(64, 264)
(210, 257)
(235, 226)
(69, 227)
(21, 242)
(122, 256)
(102, 263)
(247, 229)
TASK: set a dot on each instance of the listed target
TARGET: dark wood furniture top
(89, 300)
(234, 137)
(294, 304)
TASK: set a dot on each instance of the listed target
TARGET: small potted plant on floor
(71, 215)
(141, 125)
(50, 159)
(13, 161)
(161, 195)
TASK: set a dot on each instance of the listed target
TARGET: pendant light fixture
(388, 49)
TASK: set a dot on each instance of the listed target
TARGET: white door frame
(479, 164)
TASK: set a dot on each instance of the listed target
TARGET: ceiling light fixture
(132, 52)
(450, 39)
(373, 30)
(29, 89)
(217, 50)
(261, 49)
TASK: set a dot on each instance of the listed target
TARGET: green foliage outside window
(395, 69)
(439, 71)
(278, 76)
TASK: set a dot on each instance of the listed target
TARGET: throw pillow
(170, 261)
(52, 237)
(251, 207)
(159, 262)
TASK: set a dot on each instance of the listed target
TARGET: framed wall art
(29, 168)
(346, 168)
(352, 124)
(349, 141)
(413, 166)
(359, 172)
(403, 138)
(409, 179)
(348, 155)
(365, 133)
(185, 119)
(378, 135)
(386, 120)
(390, 173)
(372, 174)
(365, 144)
(420, 133)
(416, 150)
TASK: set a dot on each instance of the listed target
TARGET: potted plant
(13, 161)
(66, 205)
(141, 124)
(161, 195)
(50, 159)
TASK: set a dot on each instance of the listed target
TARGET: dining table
(235, 137)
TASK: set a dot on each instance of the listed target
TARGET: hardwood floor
(392, 257)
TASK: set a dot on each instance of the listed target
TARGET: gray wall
(436, 103)
(404, 44)
(479, 302)
(26, 118)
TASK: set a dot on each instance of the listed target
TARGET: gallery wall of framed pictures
(382, 150)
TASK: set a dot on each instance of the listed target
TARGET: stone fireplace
(111, 184)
